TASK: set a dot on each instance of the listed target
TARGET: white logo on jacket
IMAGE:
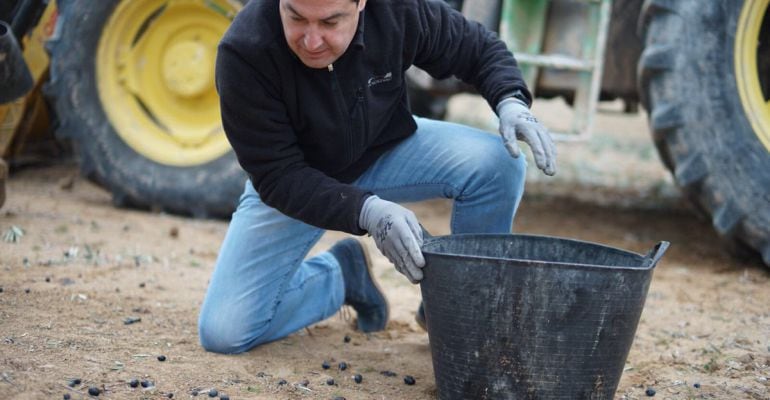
(377, 79)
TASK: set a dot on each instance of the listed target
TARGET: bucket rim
(646, 263)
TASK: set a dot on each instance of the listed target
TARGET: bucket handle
(654, 255)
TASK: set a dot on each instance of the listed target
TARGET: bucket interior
(533, 248)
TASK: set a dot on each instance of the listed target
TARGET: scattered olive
(26, 290)
(388, 373)
(161, 358)
(224, 397)
(409, 380)
(325, 365)
(347, 339)
(133, 383)
(94, 391)
(145, 383)
(358, 378)
(74, 382)
(67, 396)
(696, 385)
(650, 392)
(330, 382)
(194, 393)
(170, 395)
(304, 383)
(213, 393)
(339, 398)
(343, 366)
(282, 382)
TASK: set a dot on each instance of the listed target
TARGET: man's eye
(330, 23)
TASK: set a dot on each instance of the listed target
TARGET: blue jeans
(263, 289)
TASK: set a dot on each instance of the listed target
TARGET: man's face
(319, 31)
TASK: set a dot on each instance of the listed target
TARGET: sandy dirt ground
(81, 270)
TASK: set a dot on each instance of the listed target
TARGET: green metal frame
(522, 28)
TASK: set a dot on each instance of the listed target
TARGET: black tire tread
(735, 216)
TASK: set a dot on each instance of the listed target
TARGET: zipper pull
(330, 67)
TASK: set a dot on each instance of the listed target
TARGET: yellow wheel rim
(155, 76)
(747, 49)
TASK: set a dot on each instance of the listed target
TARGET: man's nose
(312, 40)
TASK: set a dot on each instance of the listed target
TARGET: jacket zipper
(339, 98)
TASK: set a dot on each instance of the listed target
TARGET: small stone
(141, 285)
(131, 320)
(133, 383)
(650, 392)
(409, 380)
(325, 365)
(330, 382)
(343, 366)
(26, 290)
(161, 358)
(1, 289)
(696, 385)
(48, 279)
(358, 378)
(389, 374)
(304, 383)
(213, 393)
(339, 398)
(346, 339)
(94, 391)
(194, 393)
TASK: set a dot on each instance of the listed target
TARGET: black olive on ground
(409, 380)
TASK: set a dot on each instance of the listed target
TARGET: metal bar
(522, 28)
(587, 96)
(556, 61)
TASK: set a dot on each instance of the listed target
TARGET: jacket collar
(358, 38)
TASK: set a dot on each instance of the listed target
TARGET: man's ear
(361, 5)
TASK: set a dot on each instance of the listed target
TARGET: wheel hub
(188, 69)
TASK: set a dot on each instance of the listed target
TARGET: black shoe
(420, 317)
(361, 291)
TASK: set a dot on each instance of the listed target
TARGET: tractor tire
(131, 84)
(704, 77)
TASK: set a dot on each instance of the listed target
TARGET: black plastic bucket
(531, 317)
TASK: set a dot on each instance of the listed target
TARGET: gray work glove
(517, 123)
(397, 234)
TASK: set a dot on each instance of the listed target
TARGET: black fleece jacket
(304, 134)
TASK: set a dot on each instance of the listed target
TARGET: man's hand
(517, 123)
(397, 234)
